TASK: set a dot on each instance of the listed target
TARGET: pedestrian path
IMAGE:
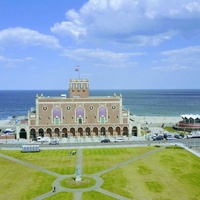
(78, 192)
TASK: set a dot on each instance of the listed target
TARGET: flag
(76, 68)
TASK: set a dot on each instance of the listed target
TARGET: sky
(117, 44)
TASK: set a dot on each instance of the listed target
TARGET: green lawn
(21, 183)
(55, 160)
(170, 174)
(96, 160)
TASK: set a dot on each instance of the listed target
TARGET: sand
(157, 120)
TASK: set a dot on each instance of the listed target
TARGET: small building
(189, 122)
(78, 115)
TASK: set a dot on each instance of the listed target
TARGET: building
(189, 123)
(78, 115)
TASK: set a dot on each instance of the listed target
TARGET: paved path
(78, 192)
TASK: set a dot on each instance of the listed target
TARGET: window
(79, 87)
(80, 113)
(102, 113)
(84, 87)
(73, 87)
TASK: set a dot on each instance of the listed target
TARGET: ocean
(138, 102)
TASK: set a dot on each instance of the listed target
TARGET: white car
(119, 140)
(169, 137)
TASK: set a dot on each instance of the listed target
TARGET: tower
(79, 88)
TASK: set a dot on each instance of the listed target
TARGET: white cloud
(180, 59)
(27, 37)
(13, 62)
(131, 20)
(5, 59)
(99, 57)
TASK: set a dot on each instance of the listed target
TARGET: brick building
(78, 115)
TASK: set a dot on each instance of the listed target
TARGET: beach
(157, 120)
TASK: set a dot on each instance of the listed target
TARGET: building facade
(78, 115)
(189, 123)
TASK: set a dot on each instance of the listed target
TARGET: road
(195, 142)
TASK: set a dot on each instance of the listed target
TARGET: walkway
(96, 176)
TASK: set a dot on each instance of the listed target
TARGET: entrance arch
(103, 131)
(95, 130)
(134, 131)
(125, 131)
(64, 133)
(23, 134)
(57, 132)
(72, 131)
(88, 131)
(118, 130)
(49, 132)
(32, 133)
(41, 132)
(80, 131)
(110, 130)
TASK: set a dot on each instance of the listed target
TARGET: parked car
(170, 137)
(105, 141)
(178, 136)
(119, 140)
(159, 137)
(54, 142)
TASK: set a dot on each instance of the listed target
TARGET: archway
(134, 131)
(125, 131)
(88, 131)
(57, 132)
(95, 130)
(23, 134)
(41, 132)
(118, 130)
(103, 131)
(72, 131)
(110, 130)
(32, 133)
(49, 132)
(64, 133)
(80, 131)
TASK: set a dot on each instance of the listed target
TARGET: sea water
(138, 102)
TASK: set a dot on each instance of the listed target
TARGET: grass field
(21, 183)
(170, 174)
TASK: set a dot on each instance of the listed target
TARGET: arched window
(80, 115)
(56, 115)
(102, 115)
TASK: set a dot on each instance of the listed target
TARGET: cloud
(144, 21)
(180, 59)
(27, 37)
(13, 62)
(99, 57)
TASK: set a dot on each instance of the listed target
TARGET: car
(119, 140)
(178, 136)
(159, 137)
(54, 142)
(170, 137)
(105, 141)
